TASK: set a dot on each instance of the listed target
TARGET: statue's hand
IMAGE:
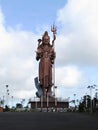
(39, 40)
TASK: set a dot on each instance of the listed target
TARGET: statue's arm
(39, 42)
(54, 38)
(52, 56)
(38, 54)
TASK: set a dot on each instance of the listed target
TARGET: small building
(49, 103)
(1, 109)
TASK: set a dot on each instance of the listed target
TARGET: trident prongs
(53, 29)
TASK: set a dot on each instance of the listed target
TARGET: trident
(53, 29)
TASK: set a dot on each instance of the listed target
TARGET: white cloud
(69, 76)
(17, 63)
(23, 94)
(79, 19)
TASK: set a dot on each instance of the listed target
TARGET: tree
(85, 104)
(19, 105)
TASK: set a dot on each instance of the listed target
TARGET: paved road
(47, 121)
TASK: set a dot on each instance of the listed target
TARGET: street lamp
(91, 87)
(75, 100)
(12, 101)
(55, 98)
(41, 100)
(96, 93)
(47, 102)
(96, 90)
(7, 94)
(86, 100)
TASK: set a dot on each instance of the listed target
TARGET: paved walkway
(47, 121)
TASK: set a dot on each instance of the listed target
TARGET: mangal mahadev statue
(45, 54)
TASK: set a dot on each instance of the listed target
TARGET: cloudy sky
(23, 22)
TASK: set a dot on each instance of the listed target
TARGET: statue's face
(46, 40)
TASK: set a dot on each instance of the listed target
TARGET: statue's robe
(46, 55)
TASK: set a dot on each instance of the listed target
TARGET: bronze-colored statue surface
(46, 55)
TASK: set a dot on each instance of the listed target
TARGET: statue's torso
(46, 50)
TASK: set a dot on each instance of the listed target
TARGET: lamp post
(3, 101)
(12, 101)
(7, 94)
(75, 100)
(55, 98)
(91, 87)
(41, 100)
(36, 102)
(96, 93)
(86, 100)
(96, 90)
(47, 102)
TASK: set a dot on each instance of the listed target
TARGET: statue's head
(46, 38)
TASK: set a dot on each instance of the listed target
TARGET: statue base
(47, 103)
(49, 99)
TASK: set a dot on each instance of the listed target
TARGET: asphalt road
(47, 121)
